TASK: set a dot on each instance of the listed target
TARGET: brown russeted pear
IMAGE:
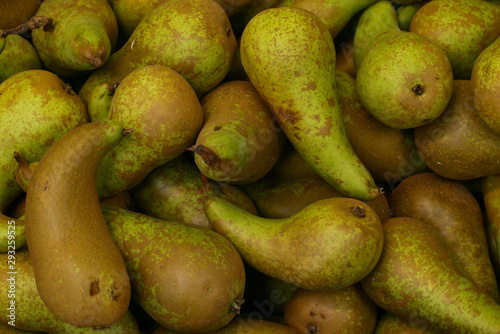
(276, 198)
(491, 197)
(335, 14)
(31, 314)
(418, 278)
(485, 80)
(296, 78)
(192, 37)
(239, 142)
(164, 111)
(347, 310)
(175, 192)
(81, 37)
(459, 145)
(79, 272)
(187, 278)
(17, 55)
(451, 209)
(463, 28)
(390, 324)
(389, 154)
(421, 77)
(330, 244)
(16, 12)
(37, 108)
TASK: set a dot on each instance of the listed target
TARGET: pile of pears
(250, 166)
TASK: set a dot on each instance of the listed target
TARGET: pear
(486, 85)
(335, 14)
(175, 192)
(390, 324)
(406, 12)
(463, 28)
(240, 19)
(81, 38)
(31, 314)
(291, 166)
(491, 196)
(15, 12)
(17, 55)
(347, 310)
(100, 101)
(330, 244)
(187, 278)
(296, 78)
(239, 142)
(82, 279)
(458, 145)
(452, 209)
(418, 278)
(162, 108)
(192, 37)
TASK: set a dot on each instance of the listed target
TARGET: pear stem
(312, 329)
(34, 23)
(207, 155)
(236, 306)
(126, 132)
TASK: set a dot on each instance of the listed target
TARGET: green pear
(239, 142)
(192, 37)
(81, 38)
(31, 314)
(452, 209)
(82, 279)
(390, 324)
(491, 196)
(17, 55)
(175, 192)
(418, 279)
(296, 78)
(459, 145)
(463, 28)
(164, 111)
(335, 14)
(330, 244)
(485, 82)
(405, 14)
(100, 101)
(187, 278)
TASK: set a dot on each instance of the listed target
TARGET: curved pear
(80, 274)
(330, 244)
(296, 78)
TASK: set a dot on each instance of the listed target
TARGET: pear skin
(15, 12)
(449, 207)
(485, 82)
(291, 166)
(239, 142)
(390, 324)
(294, 75)
(81, 38)
(16, 56)
(175, 192)
(31, 314)
(100, 101)
(459, 145)
(187, 278)
(82, 279)
(240, 19)
(491, 196)
(347, 310)
(330, 244)
(418, 278)
(463, 28)
(405, 14)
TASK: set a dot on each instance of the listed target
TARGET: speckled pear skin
(485, 82)
(185, 277)
(31, 312)
(100, 101)
(390, 324)
(82, 37)
(418, 278)
(374, 23)
(296, 78)
(37, 109)
(334, 13)
(451, 208)
(347, 310)
(193, 37)
(330, 244)
(458, 145)
(491, 196)
(175, 192)
(463, 28)
(389, 154)
(240, 141)
(164, 111)
(79, 272)
(17, 55)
